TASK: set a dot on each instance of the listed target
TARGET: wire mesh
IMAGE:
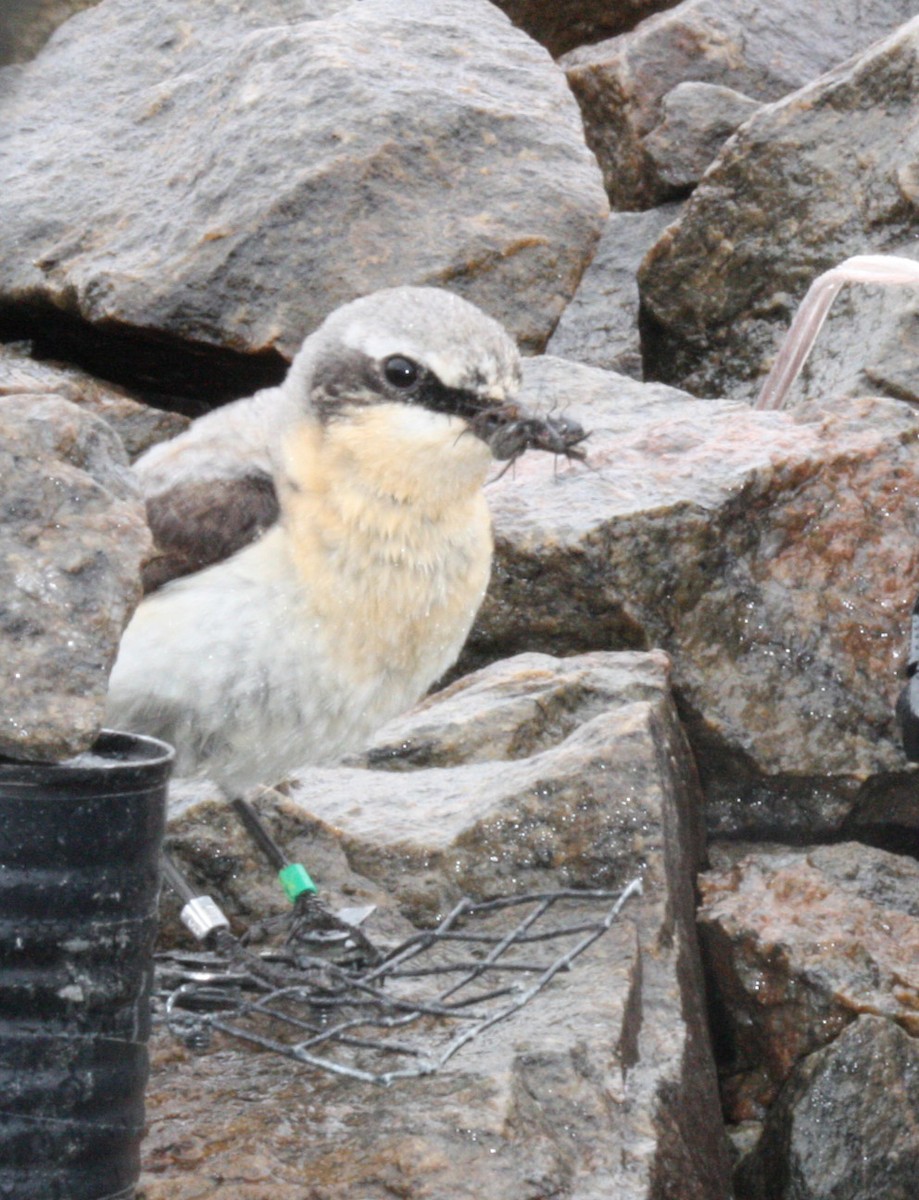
(404, 1016)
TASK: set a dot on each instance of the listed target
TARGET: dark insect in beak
(511, 430)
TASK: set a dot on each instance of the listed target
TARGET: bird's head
(430, 352)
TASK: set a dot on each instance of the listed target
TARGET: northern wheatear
(344, 611)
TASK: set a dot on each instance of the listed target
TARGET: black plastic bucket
(80, 845)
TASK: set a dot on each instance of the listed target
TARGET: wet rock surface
(772, 555)
(832, 162)
(549, 772)
(73, 535)
(294, 167)
(797, 944)
(621, 83)
(525, 797)
(845, 1124)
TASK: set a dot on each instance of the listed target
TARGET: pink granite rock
(797, 944)
(774, 556)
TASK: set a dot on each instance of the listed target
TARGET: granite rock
(797, 944)
(696, 120)
(138, 425)
(535, 773)
(774, 556)
(200, 184)
(868, 346)
(844, 1126)
(73, 536)
(600, 325)
(26, 25)
(833, 165)
(621, 83)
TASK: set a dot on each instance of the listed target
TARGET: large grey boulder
(772, 555)
(207, 176)
(826, 173)
(626, 85)
(533, 774)
(72, 537)
(798, 943)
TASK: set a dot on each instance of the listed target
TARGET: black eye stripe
(452, 402)
(342, 379)
(423, 388)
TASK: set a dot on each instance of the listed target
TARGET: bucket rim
(113, 750)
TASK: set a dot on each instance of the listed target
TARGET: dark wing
(201, 522)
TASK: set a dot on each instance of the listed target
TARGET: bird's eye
(400, 372)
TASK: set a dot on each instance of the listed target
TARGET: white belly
(250, 670)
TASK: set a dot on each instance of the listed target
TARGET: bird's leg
(201, 915)
(312, 916)
(207, 922)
